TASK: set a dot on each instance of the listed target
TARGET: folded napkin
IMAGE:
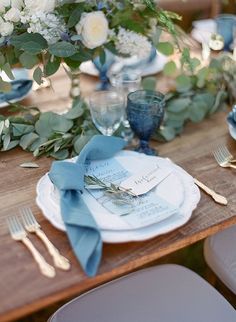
(20, 87)
(68, 177)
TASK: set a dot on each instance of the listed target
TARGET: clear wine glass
(126, 82)
(107, 110)
(145, 112)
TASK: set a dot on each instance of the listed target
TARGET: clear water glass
(126, 82)
(107, 109)
(145, 111)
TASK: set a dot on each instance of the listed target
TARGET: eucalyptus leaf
(220, 96)
(76, 37)
(7, 69)
(29, 165)
(7, 123)
(175, 124)
(170, 68)
(149, 83)
(183, 83)
(52, 66)
(75, 111)
(102, 57)
(183, 116)
(28, 60)
(6, 141)
(12, 145)
(27, 139)
(2, 60)
(62, 49)
(60, 123)
(197, 112)
(21, 129)
(177, 105)
(43, 125)
(21, 40)
(37, 143)
(37, 75)
(32, 47)
(80, 142)
(74, 17)
(1, 127)
(167, 133)
(165, 48)
(60, 155)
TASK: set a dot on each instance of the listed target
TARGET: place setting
(121, 157)
(110, 194)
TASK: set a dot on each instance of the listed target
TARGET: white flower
(12, 15)
(4, 4)
(131, 43)
(18, 4)
(48, 25)
(35, 6)
(93, 28)
(6, 28)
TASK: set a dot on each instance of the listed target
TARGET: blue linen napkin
(20, 87)
(68, 177)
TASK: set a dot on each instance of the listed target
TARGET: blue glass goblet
(145, 112)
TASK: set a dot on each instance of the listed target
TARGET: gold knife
(218, 198)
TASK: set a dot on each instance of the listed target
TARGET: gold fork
(19, 234)
(223, 158)
(223, 150)
(32, 226)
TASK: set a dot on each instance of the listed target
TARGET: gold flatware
(218, 198)
(32, 226)
(19, 234)
(223, 159)
(226, 154)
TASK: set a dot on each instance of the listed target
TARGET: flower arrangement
(49, 32)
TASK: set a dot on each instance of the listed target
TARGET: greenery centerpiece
(41, 34)
(56, 31)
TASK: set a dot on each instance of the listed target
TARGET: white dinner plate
(19, 73)
(152, 68)
(178, 188)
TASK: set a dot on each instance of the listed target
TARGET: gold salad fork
(224, 158)
(32, 226)
(19, 234)
(226, 153)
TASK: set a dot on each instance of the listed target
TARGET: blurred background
(192, 10)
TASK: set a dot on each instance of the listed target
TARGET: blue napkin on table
(20, 87)
(68, 177)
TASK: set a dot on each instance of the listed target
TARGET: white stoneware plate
(179, 189)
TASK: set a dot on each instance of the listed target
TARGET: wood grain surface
(24, 290)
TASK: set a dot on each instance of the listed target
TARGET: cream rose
(40, 5)
(93, 28)
(12, 15)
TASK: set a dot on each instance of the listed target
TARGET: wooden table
(24, 290)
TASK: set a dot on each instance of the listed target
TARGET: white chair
(220, 255)
(165, 293)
